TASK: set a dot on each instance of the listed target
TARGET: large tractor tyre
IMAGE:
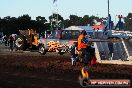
(19, 43)
(42, 50)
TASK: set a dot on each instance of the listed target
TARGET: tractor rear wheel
(19, 43)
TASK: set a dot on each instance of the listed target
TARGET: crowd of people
(83, 50)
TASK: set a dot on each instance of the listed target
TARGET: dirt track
(31, 70)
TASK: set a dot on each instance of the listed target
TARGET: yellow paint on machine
(54, 45)
(35, 41)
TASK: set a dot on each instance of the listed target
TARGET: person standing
(83, 47)
(80, 37)
(6, 40)
(73, 52)
(11, 40)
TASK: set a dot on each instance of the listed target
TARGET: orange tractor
(27, 39)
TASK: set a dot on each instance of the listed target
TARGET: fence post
(125, 49)
(97, 52)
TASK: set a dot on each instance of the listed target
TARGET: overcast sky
(15, 8)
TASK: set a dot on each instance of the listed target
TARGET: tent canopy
(80, 28)
(86, 28)
(98, 26)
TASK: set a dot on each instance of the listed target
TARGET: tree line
(11, 25)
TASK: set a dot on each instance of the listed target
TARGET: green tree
(40, 23)
(128, 22)
(85, 20)
(24, 22)
(75, 20)
(56, 21)
(9, 25)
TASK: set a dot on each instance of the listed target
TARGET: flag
(54, 1)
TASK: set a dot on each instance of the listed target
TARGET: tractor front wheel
(42, 50)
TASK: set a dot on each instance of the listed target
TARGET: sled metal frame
(128, 61)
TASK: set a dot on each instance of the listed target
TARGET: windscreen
(70, 34)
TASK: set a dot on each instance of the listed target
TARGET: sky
(65, 8)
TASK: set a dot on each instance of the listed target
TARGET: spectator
(73, 52)
(6, 40)
(11, 40)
